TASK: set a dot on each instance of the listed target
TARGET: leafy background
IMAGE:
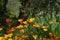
(40, 13)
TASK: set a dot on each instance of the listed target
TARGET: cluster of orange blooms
(23, 24)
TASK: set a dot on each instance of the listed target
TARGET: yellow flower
(20, 20)
(2, 38)
(6, 36)
(31, 20)
(25, 22)
(16, 38)
(45, 29)
(1, 29)
(35, 36)
(36, 26)
(22, 30)
(10, 35)
(26, 26)
(51, 22)
(20, 26)
(10, 39)
(57, 22)
(11, 30)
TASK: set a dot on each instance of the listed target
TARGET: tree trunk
(24, 15)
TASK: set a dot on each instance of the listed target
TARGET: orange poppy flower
(7, 20)
(31, 33)
(44, 38)
(24, 37)
(20, 20)
(50, 34)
